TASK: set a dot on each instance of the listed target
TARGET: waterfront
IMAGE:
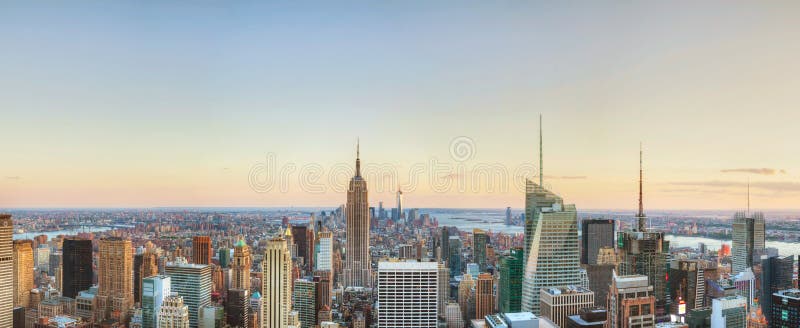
(52, 234)
(784, 248)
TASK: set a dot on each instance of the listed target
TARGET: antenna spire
(541, 161)
(358, 157)
(642, 218)
(748, 197)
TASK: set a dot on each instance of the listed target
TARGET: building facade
(358, 263)
(401, 284)
(114, 279)
(558, 303)
(277, 285)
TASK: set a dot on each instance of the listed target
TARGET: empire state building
(357, 264)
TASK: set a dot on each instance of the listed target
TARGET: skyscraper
(324, 252)
(631, 303)
(597, 233)
(154, 290)
(23, 272)
(444, 246)
(552, 249)
(174, 313)
(401, 284)
(145, 265)
(357, 265)
(444, 287)
(508, 216)
(645, 252)
(786, 308)
(237, 308)
(6, 270)
(558, 303)
(400, 213)
(484, 295)
(241, 265)
(192, 282)
(114, 279)
(277, 284)
(729, 312)
(300, 234)
(748, 240)
(687, 282)
(776, 275)
(479, 241)
(77, 270)
(304, 302)
(511, 274)
(201, 250)
(454, 262)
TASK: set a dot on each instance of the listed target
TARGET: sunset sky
(179, 104)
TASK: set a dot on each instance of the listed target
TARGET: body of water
(52, 234)
(784, 248)
(468, 219)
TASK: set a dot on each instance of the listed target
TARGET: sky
(212, 103)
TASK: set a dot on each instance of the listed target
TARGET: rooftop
(789, 293)
(408, 265)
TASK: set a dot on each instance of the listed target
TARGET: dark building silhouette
(776, 275)
(596, 234)
(77, 266)
(237, 308)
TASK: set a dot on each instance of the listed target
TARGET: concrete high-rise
(631, 303)
(596, 234)
(6, 270)
(276, 285)
(114, 279)
(687, 282)
(358, 264)
(241, 265)
(201, 250)
(558, 303)
(511, 275)
(749, 240)
(23, 272)
(174, 313)
(145, 265)
(444, 287)
(479, 242)
(401, 284)
(77, 269)
(193, 282)
(154, 290)
(484, 295)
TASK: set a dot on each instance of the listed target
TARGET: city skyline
(130, 110)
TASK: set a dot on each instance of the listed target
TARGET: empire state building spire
(358, 158)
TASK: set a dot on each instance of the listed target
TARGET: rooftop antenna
(642, 218)
(358, 157)
(748, 196)
(541, 161)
